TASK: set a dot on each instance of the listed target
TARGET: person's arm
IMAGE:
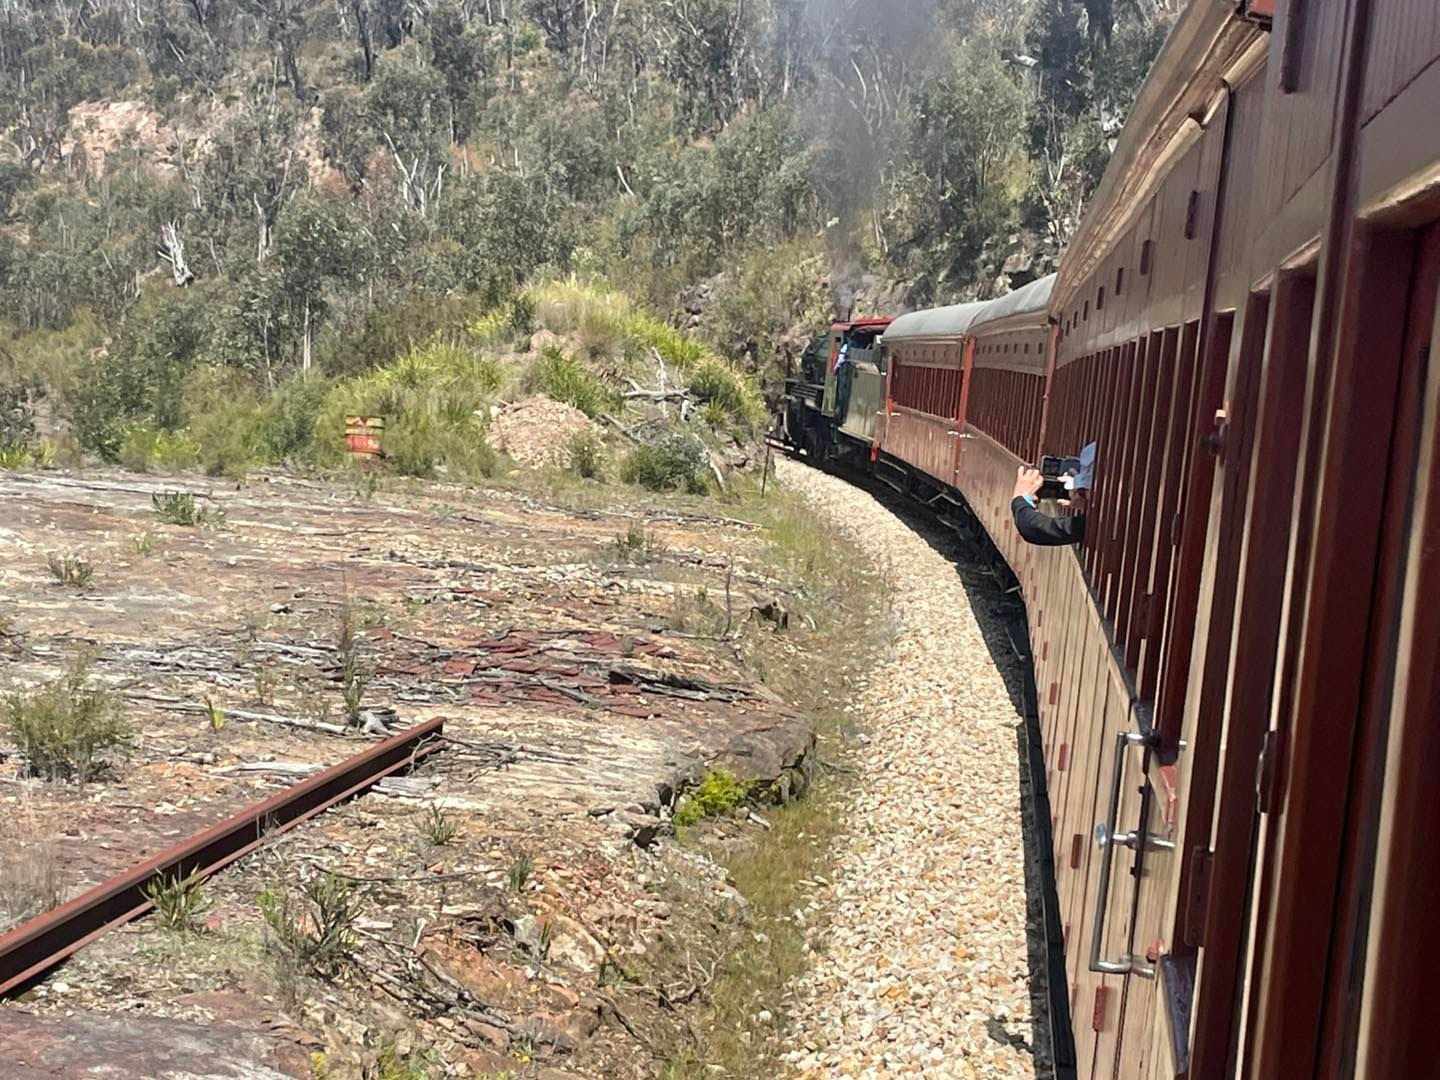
(1044, 530)
(1035, 527)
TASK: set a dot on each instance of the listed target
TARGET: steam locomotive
(1238, 671)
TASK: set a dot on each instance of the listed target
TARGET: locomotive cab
(855, 379)
(833, 402)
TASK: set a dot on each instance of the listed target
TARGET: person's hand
(1027, 482)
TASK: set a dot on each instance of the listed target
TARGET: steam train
(1238, 672)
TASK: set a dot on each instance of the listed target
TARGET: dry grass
(76, 571)
(30, 876)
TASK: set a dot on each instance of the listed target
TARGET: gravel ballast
(921, 966)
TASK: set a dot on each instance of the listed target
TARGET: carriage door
(1390, 997)
(1239, 668)
(1318, 852)
(957, 429)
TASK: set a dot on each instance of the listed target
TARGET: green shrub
(637, 545)
(433, 401)
(492, 328)
(674, 463)
(714, 414)
(468, 458)
(566, 379)
(145, 370)
(587, 455)
(180, 508)
(678, 349)
(715, 382)
(234, 428)
(422, 446)
(143, 446)
(66, 729)
(521, 316)
(36, 456)
(225, 420)
(287, 418)
(563, 305)
(606, 322)
(412, 446)
(231, 439)
(600, 335)
(390, 1064)
(718, 793)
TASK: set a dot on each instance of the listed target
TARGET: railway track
(37, 946)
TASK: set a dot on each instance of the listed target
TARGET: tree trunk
(305, 340)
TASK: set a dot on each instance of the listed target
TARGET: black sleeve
(1044, 530)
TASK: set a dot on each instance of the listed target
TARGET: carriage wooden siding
(1238, 672)
(926, 356)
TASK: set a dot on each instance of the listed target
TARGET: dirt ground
(585, 660)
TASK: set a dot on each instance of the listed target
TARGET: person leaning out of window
(1037, 527)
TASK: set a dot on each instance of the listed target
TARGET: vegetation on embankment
(840, 629)
(155, 406)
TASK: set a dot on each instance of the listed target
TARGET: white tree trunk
(172, 250)
(305, 340)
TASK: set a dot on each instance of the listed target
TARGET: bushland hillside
(286, 209)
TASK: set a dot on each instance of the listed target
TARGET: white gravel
(921, 965)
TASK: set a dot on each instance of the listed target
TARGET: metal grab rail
(1106, 838)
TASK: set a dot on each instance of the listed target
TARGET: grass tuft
(29, 868)
(521, 867)
(180, 508)
(437, 827)
(638, 546)
(180, 903)
(606, 322)
(353, 676)
(316, 929)
(73, 570)
(564, 378)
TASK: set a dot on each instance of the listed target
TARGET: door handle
(1107, 839)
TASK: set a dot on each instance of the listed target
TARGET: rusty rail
(34, 947)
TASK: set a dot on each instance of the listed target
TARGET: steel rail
(36, 946)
